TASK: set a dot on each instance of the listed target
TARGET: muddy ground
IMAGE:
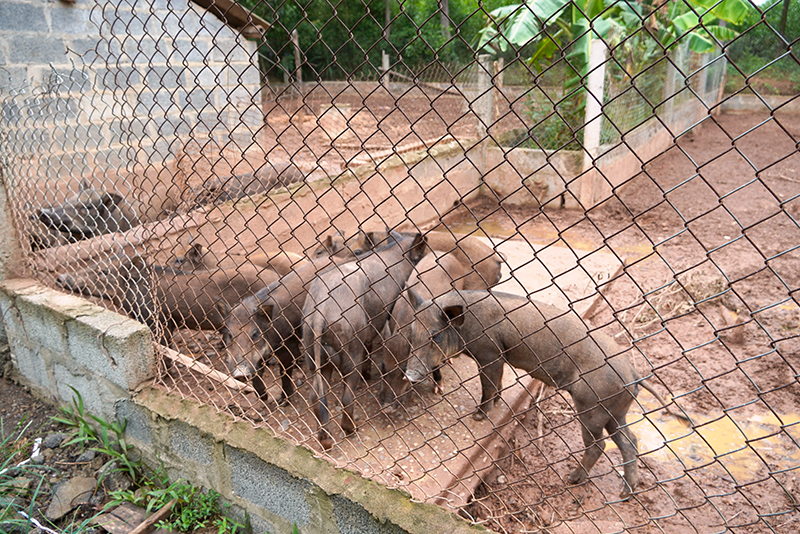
(708, 233)
(718, 214)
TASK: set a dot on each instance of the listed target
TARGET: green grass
(151, 490)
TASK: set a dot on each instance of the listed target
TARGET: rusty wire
(239, 176)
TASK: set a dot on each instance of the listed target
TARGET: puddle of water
(740, 447)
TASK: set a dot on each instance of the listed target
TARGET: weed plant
(151, 490)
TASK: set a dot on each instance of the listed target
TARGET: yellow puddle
(741, 447)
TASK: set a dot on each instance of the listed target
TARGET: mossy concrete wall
(60, 342)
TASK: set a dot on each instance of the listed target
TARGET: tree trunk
(387, 21)
(444, 18)
(784, 16)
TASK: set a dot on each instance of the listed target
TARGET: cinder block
(269, 487)
(114, 347)
(137, 421)
(98, 398)
(188, 443)
(41, 325)
(353, 519)
(37, 51)
(18, 17)
(30, 363)
(69, 20)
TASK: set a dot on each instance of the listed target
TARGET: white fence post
(482, 106)
(385, 67)
(595, 84)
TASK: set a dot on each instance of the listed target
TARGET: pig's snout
(243, 371)
(414, 376)
(66, 281)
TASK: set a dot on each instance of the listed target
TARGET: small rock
(98, 498)
(97, 463)
(18, 485)
(285, 425)
(48, 453)
(53, 441)
(107, 468)
(37, 458)
(116, 481)
(70, 494)
(501, 479)
(86, 457)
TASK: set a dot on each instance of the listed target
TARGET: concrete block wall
(93, 87)
(60, 342)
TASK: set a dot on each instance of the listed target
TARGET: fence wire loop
(536, 265)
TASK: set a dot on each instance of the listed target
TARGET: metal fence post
(298, 65)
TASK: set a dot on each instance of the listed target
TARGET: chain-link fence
(283, 236)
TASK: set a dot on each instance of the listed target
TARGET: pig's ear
(418, 248)
(195, 253)
(413, 298)
(222, 307)
(325, 246)
(138, 263)
(454, 315)
(266, 309)
(111, 200)
(372, 238)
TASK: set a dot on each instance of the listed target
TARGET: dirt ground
(729, 237)
(709, 234)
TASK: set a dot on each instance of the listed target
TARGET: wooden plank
(474, 465)
(122, 519)
(149, 524)
(193, 365)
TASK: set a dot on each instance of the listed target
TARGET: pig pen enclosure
(171, 177)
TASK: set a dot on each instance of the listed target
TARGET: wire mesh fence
(284, 238)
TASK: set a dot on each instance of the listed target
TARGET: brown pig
(552, 345)
(348, 248)
(434, 275)
(270, 321)
(344, 312)
(155, 294)
(197, 256)
(266, 323)
(484, 262)
(91, 212)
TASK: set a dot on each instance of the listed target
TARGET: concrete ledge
(277, 483)
(60, 341)
(750, 103)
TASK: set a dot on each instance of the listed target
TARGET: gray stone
(116, 481)
(69, 495)
(54, 440)
(86, 457)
